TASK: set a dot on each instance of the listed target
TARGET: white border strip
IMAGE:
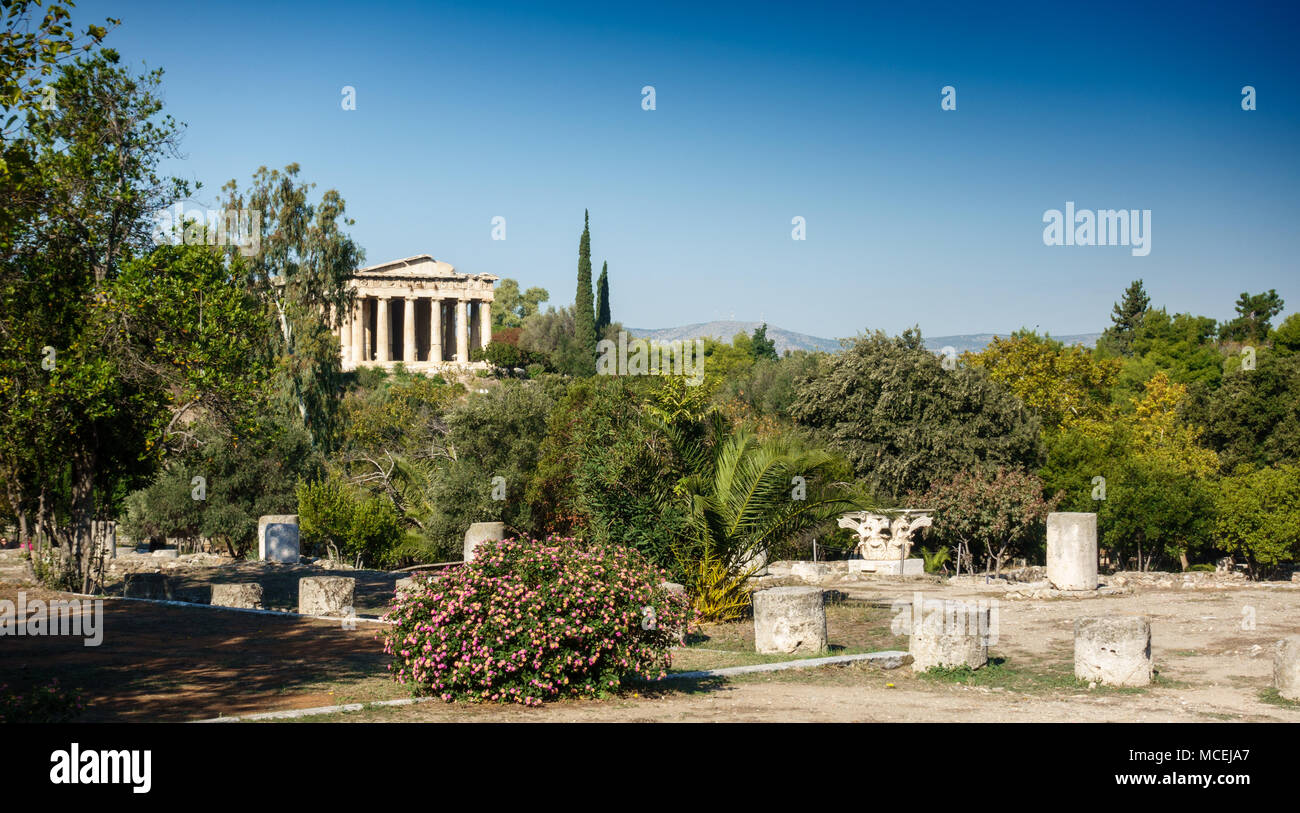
(278, 613)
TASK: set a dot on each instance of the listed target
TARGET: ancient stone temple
(419, 312)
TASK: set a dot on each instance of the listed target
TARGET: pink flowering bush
(529, 621)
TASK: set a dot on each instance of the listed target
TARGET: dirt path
(1212, 649)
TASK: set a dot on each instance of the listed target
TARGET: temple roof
(423, 266)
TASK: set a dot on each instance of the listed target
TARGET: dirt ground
(1212, 650)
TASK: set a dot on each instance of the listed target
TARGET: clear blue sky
(532, 112)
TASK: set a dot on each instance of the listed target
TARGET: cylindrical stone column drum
(951, 635)
(789, 619)
(1113, 651)
(1072, 550)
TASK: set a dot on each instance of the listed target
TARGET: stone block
(147, 585)
(789, 619)
(326, 595)
(1115, 651)
(245, 596)
(277, 538)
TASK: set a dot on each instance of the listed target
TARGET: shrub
(529, 621)
(42, 704)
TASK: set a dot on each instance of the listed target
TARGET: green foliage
(746, 495)
(1256, 514)
(298, 269)
(995, 514)
(1158, 478)
(904, 422)
(1254, 418)
(1286, 338)
(508, 357)
(510, 307)
(768, 388)
(337, 519)
(603, 316)
(1254, 316)
(246, 475)
(761, 347)
(1127, 317)
(584, 314)
(1061, 384)
(607, 469)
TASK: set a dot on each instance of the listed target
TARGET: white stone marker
(789, 619)
(1115, 650)
(1286, 667)
(246, 596)
(481, 532)
(1072, 550)
(277, 538)
(326, 595)
(951, 635)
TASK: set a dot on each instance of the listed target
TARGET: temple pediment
(421, 267)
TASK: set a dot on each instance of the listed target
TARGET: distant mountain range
(724, 330)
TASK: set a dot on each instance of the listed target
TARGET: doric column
(462, 330)
(485, 322)
(358, 344)
(367, 305)
(408, 330)
(435, 329)
(383, 342)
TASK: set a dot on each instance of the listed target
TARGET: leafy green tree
(510, 307)
(762, 347)
(36, 41)
(298, 267)
(1127, 317)
(993, 513)
(1146, 475)
(342, 522)
(1286, 338)
(1256, 515)
(1254, 417)
(903, 421)
(553, 334)
(1255, 313)
(126, 351)
(584, 314)
(603, 316)
(1061, 384)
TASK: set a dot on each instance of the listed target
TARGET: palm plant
(746, 495)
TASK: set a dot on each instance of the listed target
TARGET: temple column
(383, 342)
(408, 330)
(485, 322)
(435, 329)
(462, 331)
(358, 328)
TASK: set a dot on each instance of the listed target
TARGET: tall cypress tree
(584, 314)
(603, 318)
